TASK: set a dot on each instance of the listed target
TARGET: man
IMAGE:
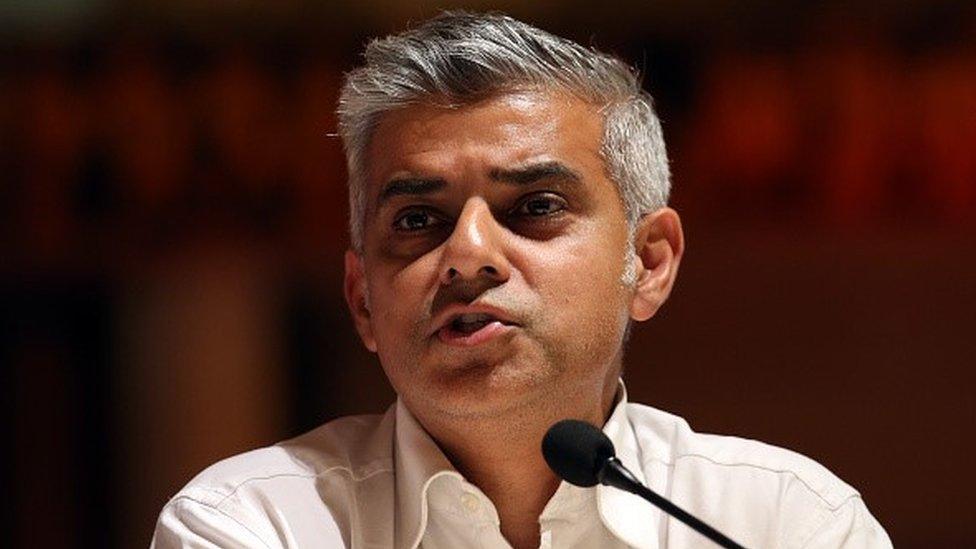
(508, 195)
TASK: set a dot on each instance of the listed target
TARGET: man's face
(494, 250)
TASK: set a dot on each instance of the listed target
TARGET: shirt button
(470, 502)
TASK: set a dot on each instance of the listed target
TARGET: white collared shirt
(381, 481)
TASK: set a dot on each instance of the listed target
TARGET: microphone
(581, 454)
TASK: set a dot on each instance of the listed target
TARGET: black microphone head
(576, 450)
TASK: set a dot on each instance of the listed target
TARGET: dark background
(173, 213)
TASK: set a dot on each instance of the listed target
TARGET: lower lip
(489, 331)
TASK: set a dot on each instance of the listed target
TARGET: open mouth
(471, 329)
(470, 323)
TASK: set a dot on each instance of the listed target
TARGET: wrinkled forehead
(496, 133)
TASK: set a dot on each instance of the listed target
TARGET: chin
(478, 389)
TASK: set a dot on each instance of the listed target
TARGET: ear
(659, 244)
(354, 287)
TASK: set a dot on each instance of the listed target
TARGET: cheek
(590, 268)
(586, 301)
(394, 330)
(400, 303)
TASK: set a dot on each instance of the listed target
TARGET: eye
(540, 205)
(415, 220)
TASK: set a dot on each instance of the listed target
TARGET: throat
(516, 479)
(519, 500)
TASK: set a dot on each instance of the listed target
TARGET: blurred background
(173, 221)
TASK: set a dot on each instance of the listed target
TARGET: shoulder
(355, 446)
(681, 447)
(737, 482)
(310, 479)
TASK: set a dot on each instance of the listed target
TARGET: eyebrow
(410, 186)
(527, 175)
(524, 175)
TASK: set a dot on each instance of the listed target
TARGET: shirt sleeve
(187, 523)
(850, 526)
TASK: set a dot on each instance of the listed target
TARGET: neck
(501, 455)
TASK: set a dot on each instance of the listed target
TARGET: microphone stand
(613, 473)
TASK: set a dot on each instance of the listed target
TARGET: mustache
(520, 307)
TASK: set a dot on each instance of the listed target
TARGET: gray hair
(457, 58)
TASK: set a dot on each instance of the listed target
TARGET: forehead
(496, 133)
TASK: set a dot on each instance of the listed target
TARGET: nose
(475, 249)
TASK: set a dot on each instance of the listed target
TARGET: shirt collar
(628, 516)
(419, 463)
